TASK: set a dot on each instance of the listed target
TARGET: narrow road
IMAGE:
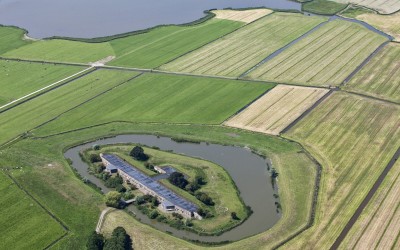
(101, 218)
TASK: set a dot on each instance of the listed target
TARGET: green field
(24, 224)
(353, 138)
(21, 78)
(161, 45)
(62, 51)
(236, 53)
(165, 98)
(323, 7)
(11, 38)
(381, 76)
(326, 57)
(45, 107)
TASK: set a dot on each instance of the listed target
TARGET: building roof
(168, 169)
(145, 180)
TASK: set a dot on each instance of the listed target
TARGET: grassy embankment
(165, 98)
(11, 38)
(323, 7)
(382, 6)
(325, 57)
(238, 52)
(378, 226)
(13, 122)
(219, 187)
(354, 138)
(381, 76)
(24, 224)
(18, 79)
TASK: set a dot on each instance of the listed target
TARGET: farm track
(366, 201)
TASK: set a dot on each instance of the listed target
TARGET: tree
(178, 179)
(203, 197)
(120, 188)
(113, 198)
(95, 241)
(94, 158)
(138, 154)
(234, 216)
(119, 240)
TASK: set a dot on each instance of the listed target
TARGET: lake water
(97, 18)
(248, 170)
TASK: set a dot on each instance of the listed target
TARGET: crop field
(353, 138)
(161, 45)
(24, 224)
(165, 98)
(379, 226)
(276, 109)
(238, 52)
(381, 76)
(13, 122)
(323, 7)
(246, 16)
(382, 6)
(21, 78)
(325, 57)
(11, 38)
(62, 51)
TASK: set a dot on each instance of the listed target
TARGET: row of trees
(119, 240)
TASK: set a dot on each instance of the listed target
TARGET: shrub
(138, 154)
(95, 241)
(120, 188)
(178, 179)
(203, 197)
(114, 181)
(113, 198)
(94, 158)
(153, 214)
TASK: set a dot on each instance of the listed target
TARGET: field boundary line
(56, 85)
(43, 61)
(46, 87)
(305, 113)
(370, 97)
(367, 60)
(365, 201)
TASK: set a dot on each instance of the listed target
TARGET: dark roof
(145, 180)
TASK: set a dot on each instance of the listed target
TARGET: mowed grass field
(276, 109)
(62, 51)
(163, 44)
(28, 115)
(386, 23)
(381, 76)
(11, 38)
(18, 79)
(165, 98)
(238, 52)
(379, 225)
(353, 138)
(246, 16)
(325, 57)
(24, 224)
(382, 6)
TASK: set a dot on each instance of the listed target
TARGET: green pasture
(18, 79)
(11, 38)
(323, 7)
(353, 138)
(238, 52)
(24, 224)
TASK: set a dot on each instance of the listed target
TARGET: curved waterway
(248, 170)
(98, 18)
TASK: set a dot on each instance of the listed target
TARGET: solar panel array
(146, 181)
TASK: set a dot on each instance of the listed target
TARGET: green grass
(381, 76)
(24, 224)
(165, 98)
(78, 205)
(11, 38)
(62, 51)
(160, 45)
(323, 7)
(324, 58)
(18, 79)
(353, 138)
(236, 53)
(353, 12)
(45, 107)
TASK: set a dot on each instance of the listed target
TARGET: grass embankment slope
(323, 7)
(18, 79)
(13, 122)
(296, 176)
(11, 38)
(379, 225)
(274, 111)
(382, 6)
(219, 185)
(353, 138)
(325, 57)
(165, 98)
(238, 52)
(381, 76)
(24, 224)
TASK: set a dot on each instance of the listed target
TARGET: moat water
(98, 18)
(248, 171)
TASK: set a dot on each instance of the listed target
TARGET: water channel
(248, 170)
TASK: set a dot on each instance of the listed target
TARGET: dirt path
(101, 218)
